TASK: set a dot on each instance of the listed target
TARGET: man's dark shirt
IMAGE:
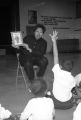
(38, 47)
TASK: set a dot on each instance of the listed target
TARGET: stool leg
(35, 72)
(17, 74)
(23, 77)
(19, 67)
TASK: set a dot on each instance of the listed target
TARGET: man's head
(67, 65)
(39, 31)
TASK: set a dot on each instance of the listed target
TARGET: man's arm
(26, 46)
(25, 43)
(55, 50)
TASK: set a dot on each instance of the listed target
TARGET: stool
(36, 68)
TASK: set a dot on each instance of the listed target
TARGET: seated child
(77, 112)
(78, 80)
(64, 82)
(40, 107)
(77, 89)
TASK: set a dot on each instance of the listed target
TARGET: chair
(20, 69)
(36, 68)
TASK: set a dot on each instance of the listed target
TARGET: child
(77, 112)
(78, 79)
(64, 82)
(40, 107)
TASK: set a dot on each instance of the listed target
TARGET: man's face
(38, 33)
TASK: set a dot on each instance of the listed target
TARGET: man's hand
(54, 36)
(27, 47)
(24, 45)
(15, 46)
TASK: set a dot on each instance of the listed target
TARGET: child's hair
(67, 65)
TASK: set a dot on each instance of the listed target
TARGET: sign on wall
(56, 22)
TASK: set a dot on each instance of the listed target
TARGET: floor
(15, 99)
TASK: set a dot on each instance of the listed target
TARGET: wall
(59, 13)
(77, 30)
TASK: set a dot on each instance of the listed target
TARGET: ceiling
(9, 2)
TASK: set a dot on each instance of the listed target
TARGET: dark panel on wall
(4, 25)
(78, 9)
(9, 21)
(67, 46)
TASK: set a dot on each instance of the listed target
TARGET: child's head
(67, 65)
(39, 87)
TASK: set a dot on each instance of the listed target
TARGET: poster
(32, 17)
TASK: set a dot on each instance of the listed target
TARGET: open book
(17, 39)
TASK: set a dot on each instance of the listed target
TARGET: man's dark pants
(28, 63)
